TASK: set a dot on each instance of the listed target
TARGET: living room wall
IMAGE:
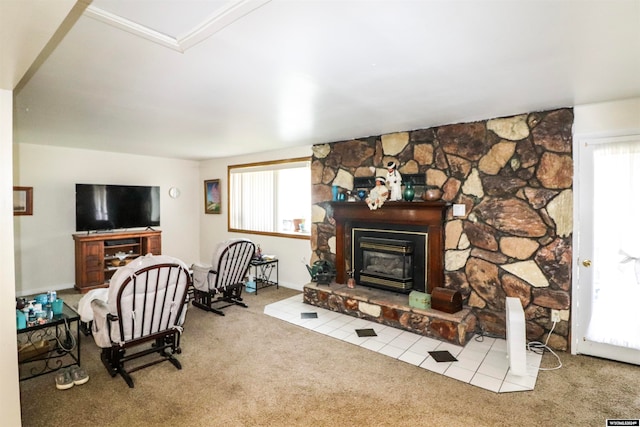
(44, 248)
(292, 253)
(514, 175)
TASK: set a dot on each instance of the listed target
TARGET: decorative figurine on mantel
(378, 194)
(394, 179)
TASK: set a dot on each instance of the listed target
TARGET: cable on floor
(533, 346)
(539, 348)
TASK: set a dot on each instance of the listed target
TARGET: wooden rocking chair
(143, 314)
(221, 283)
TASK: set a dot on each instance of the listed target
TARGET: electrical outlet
(555, 315)
(459, 210)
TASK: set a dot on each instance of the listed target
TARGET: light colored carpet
(250, 369)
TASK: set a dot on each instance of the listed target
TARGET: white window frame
(266, 192)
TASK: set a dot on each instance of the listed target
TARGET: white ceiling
(198, 79)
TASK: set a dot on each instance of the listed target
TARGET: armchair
(144, 313)
(221, 283)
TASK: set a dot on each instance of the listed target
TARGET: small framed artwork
(23, 200)
(212, 196)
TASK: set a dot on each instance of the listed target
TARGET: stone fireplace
(514, 177)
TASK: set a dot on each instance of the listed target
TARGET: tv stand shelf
(129, 255)
(96, 258)
(120, 242)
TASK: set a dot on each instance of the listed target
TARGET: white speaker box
(516, 337)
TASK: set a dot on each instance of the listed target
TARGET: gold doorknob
(586, 263)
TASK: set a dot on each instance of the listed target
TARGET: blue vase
(335, 192)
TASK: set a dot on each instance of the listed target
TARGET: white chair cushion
(134, 322)
(202, 279)
(84, 305)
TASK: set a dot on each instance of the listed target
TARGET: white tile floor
(480, 363)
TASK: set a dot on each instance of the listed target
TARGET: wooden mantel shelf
(392, 212)
(427, 216)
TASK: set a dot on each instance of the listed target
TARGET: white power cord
(539, 348)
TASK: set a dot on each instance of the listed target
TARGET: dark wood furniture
(96, 259)
(220, 285)
(429, 216)
(148, 319)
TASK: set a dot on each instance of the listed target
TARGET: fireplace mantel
(428, 216)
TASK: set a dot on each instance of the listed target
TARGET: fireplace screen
(386, 263)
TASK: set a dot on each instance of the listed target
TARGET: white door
(607, 307)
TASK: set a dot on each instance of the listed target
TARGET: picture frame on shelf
(212, 199)
(23, 200)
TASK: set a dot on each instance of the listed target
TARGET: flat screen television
(112, 207)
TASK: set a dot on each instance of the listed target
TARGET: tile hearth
(482, 363)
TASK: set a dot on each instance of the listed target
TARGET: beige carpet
(250, 369)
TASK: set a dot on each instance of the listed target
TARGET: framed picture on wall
(23, 200)
(212, 200)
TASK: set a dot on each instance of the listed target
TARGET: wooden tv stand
(96, 259)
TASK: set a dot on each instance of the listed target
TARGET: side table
(263, 270)
(51, 345)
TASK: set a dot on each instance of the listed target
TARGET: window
(271, 197)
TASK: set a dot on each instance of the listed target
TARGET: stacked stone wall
(514, 176)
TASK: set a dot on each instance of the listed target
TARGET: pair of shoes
(78, 375)
(67, 378)
(64, 380)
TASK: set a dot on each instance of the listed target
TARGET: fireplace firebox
(386, 263)
(393, 259)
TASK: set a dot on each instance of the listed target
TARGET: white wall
(610, 118)
(44, 249)
(213, 228)
(8, 335)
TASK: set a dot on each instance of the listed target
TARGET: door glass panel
(616, 245)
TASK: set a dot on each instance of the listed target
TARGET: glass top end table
(49, 343)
